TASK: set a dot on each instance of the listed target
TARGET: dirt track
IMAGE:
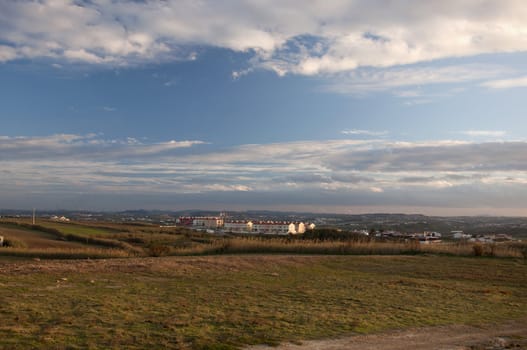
(512, 335)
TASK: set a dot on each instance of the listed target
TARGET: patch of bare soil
(511, 335)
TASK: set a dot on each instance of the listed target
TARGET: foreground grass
(228, 301)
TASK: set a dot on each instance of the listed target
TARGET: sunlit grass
(228, 301)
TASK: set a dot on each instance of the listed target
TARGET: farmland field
(224, 302)
(73, 227)
(37, 239)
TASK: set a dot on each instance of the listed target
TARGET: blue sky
(339, 106)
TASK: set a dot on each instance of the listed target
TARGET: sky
(344, 106)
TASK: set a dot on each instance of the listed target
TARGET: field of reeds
(74, 240)
(259, 245)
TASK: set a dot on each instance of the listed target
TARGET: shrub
(158, 250)
(477, 249)
(491, 251)
(14, 243)
(523, 250)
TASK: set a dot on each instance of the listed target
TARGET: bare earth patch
(512, 335)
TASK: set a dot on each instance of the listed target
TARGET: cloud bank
(324, 174)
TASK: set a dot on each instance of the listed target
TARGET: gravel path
(511, 335)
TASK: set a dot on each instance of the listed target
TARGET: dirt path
(512, 335)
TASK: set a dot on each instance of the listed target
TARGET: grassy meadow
(114, 286)
(226, 302)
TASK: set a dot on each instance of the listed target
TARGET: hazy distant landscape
(516, 226)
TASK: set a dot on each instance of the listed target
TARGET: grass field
(70, 228)
(50, 239)
(225, 302)
(35, 239)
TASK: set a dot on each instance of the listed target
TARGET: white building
(62, 218)
(460, 235)
(208, 222)
(245, 226)
(280, 227)
(271, 227)
(201, 221)
(240, 226)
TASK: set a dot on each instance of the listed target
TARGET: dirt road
(512, 335)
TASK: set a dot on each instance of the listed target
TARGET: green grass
(225, 302)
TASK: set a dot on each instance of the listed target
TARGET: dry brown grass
(65, 253)
(254, 245)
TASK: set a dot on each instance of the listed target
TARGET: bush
(158, 250)
(331, 234)
(14, 243)
(477, 249)
(523, 250)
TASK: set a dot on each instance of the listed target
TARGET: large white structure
(460, 235)
(271, 227)
(201, 221)
(245, 226)
(266, 227)
(238, 226)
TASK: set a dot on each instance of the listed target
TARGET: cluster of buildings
(487, 238)
(424, 237)
(436, 237)
(221, 224)
(59, 218)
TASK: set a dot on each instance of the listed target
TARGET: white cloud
(347, 164)
(506, 83)
(330, 172)
(321, 37)
(376, 190)
(89, 147)
(484, 133)
(363, 132)
(417, 102)
(407, 93)
(369, 80)
(84, 56)
(240, 73)
(7, 53)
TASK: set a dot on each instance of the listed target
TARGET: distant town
(426, 229)
(214, 224)
(220, 224)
